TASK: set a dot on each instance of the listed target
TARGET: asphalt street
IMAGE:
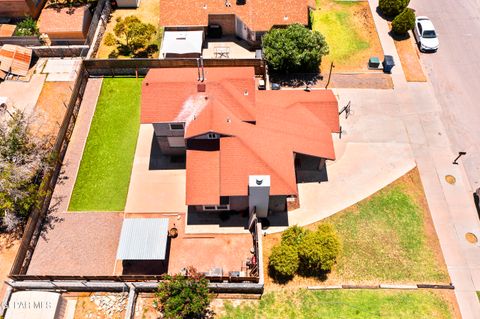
(454, 72)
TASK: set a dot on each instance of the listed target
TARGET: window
(176, 126)
(216, 207)
(212, 136)
(176, 141)
(419, 28)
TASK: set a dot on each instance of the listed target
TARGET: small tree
(181, 296)
(293, 235)
(23, 161)
(27, 27)
(294, 49)
(391, 8)
(319, 250)
(404, 21)
(131, 34)
(283, 261)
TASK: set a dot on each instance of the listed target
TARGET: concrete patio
(227, 48)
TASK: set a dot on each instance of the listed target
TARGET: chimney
(259, 194)
(201, 87)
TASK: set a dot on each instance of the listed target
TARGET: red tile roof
(285, 122)
(258, 15)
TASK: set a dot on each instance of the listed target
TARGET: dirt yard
(148, 12)
(50, 108)
(8, 250)
(144, 308)
(410, 59)
(99, 305)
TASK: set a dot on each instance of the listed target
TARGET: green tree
(24, 158)
(294, 49)
(283, 261)
(131, 34)
(404, 21)
(180, 297)
(293, 235)
(391, 8)
(319, 250)
(27, 27)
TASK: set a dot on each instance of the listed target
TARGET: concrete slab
(16, 92)
(153, 190)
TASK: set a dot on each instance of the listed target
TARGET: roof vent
(229, 120)
(205, 6)
(201, 87)
(245, 92)
(259, 181)
(285, 17)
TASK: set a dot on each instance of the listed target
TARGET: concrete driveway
(153, 191)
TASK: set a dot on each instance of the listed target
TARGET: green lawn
(350, 33)
(104, 175)
(351, 304)
(384, 239)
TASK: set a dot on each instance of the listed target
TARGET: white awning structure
(33, 305)
(181, 42)
(143, 239)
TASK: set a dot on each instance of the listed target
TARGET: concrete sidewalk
(451, 206)
(71, 163)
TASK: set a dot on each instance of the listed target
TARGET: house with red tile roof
(246, 19)
(243, 147)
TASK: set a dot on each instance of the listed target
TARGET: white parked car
(425, 34)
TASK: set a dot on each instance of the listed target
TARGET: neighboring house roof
(181, 42)
(261, 130)
(7, 30)
(258, 15)
(65, 20)
(15, 59)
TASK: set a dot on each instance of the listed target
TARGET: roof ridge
(262, 158)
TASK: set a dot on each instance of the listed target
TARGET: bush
(404, 21)
(319, 250)
(27, 27)
(180, 296)
(283, 261)
(294, 49)
(293, 236)
(391, 8)
(110, 39)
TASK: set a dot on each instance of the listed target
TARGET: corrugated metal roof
(143, 239)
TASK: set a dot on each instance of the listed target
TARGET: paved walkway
(71, 164)
(451, 206)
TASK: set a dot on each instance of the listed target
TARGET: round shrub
(404, 21)
(293, 235)
(294, 49)
(283, 261)
(391, 8)
(319, 250)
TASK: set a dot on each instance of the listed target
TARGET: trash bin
(374, 62)
(388, 64)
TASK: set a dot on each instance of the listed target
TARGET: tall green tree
(294, 49)
(404, 21)
(392, 8)
(184, 297)
(24, 158)
(131, 34)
